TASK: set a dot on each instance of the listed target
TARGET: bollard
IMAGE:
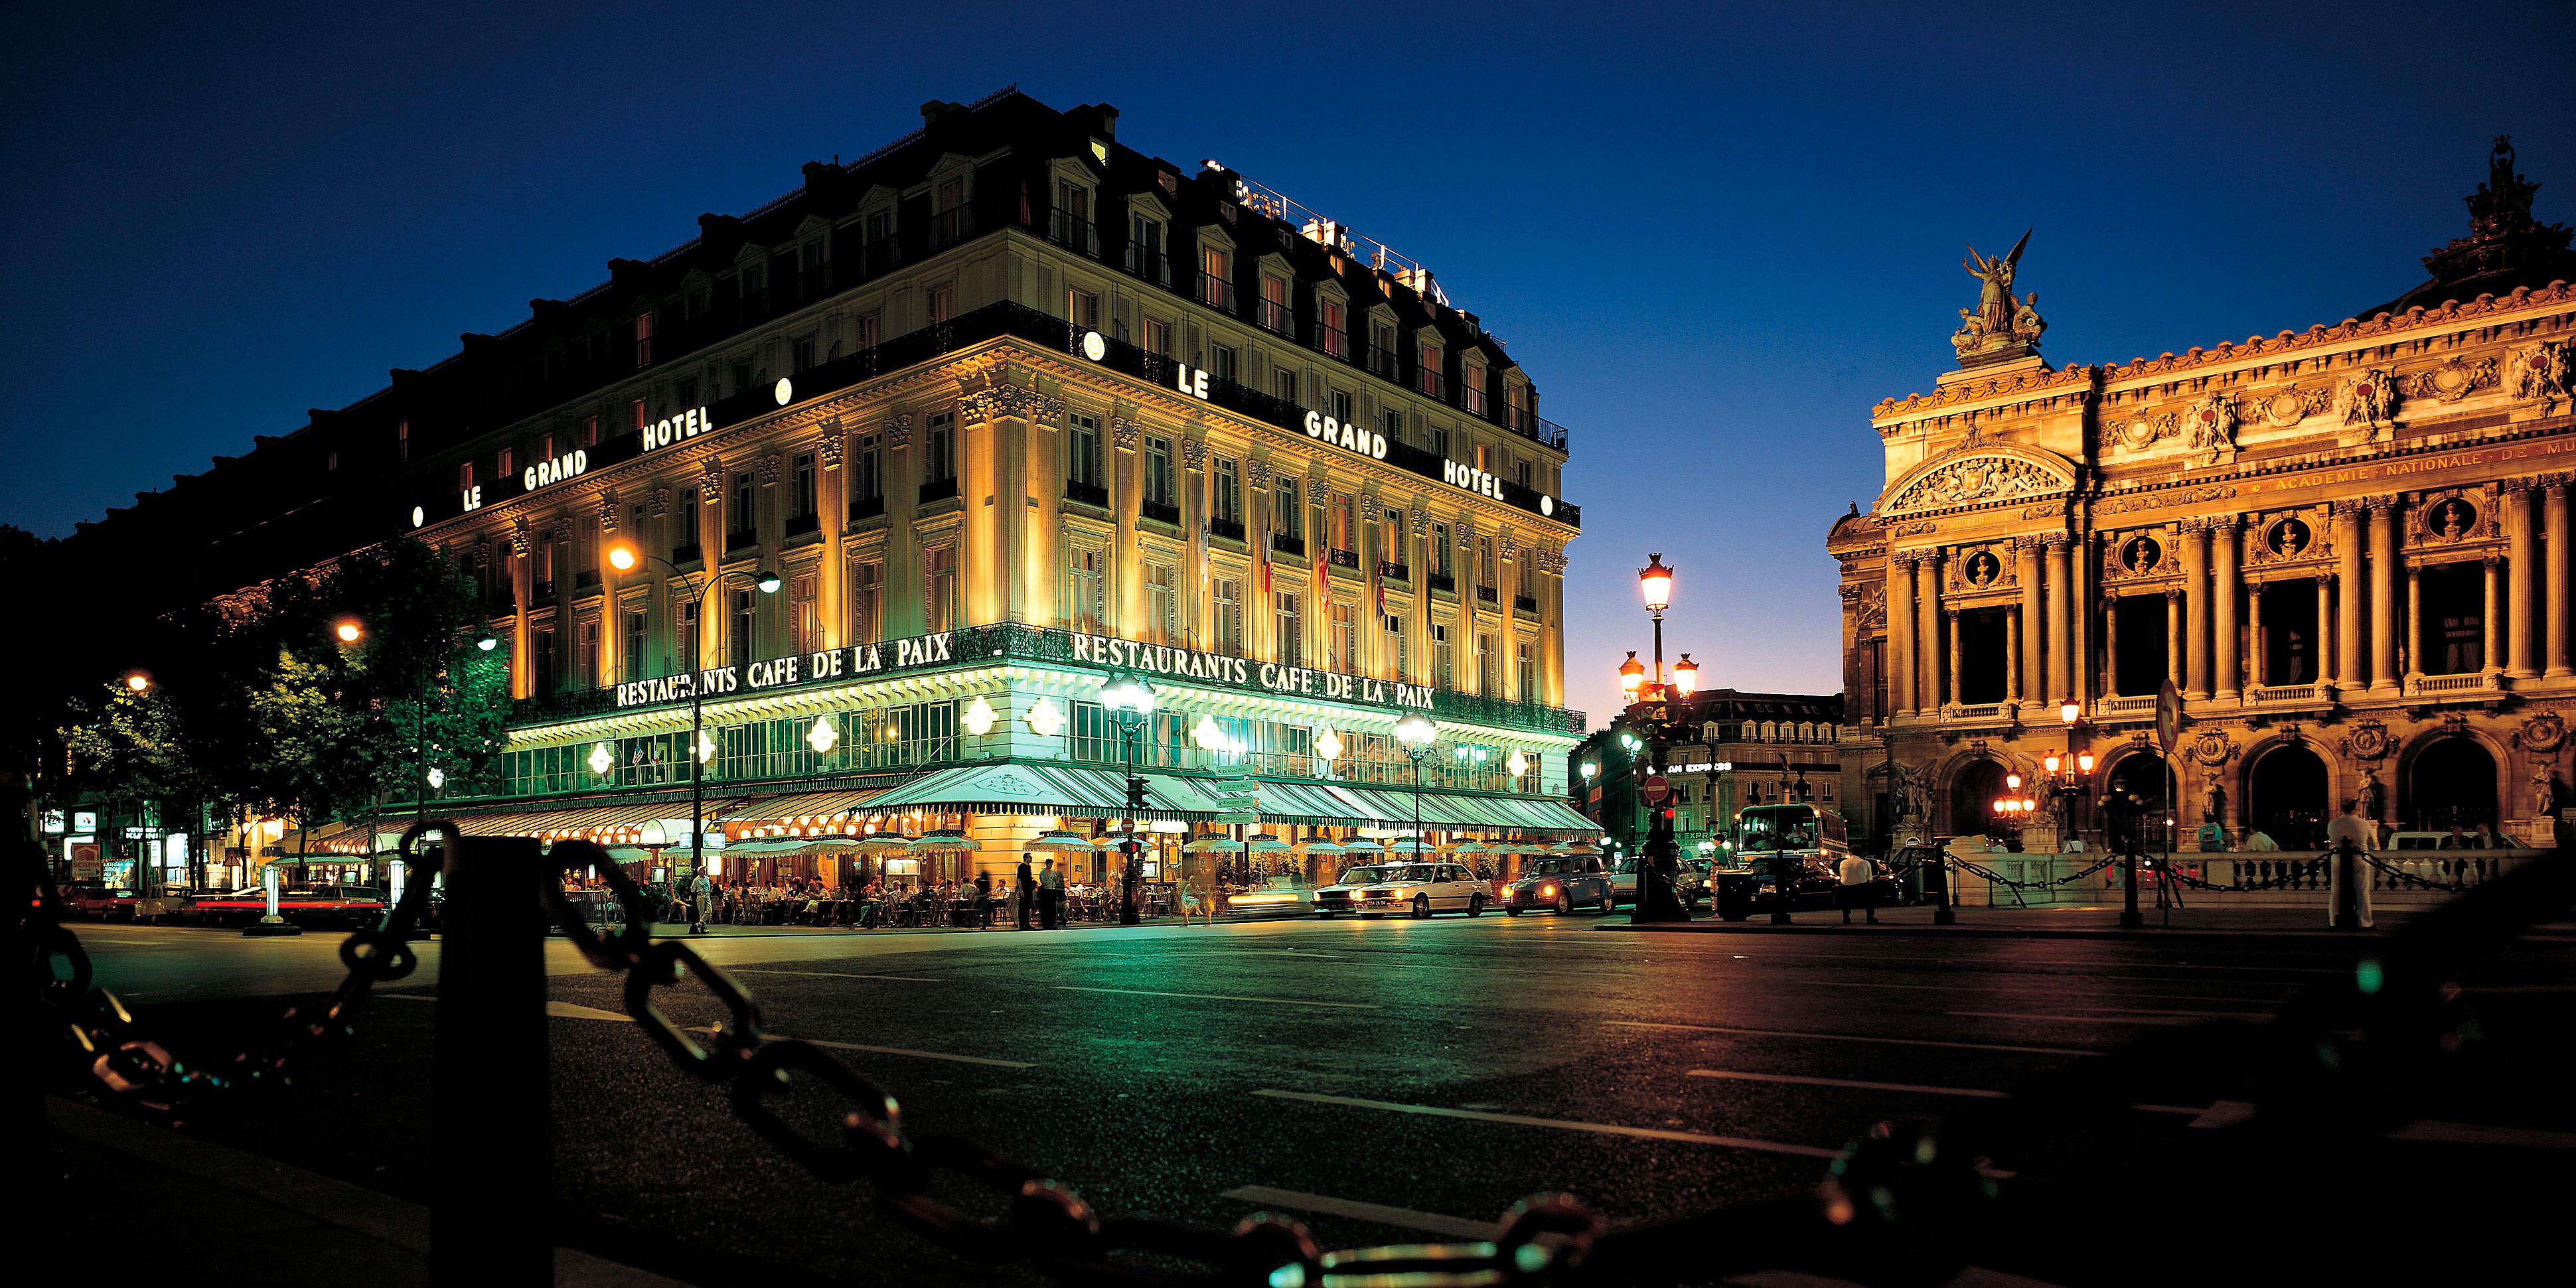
(488, 1224)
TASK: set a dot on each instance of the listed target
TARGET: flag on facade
(1323, 575)
(1377, 586)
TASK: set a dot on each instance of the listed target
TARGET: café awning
(1331, 804)
(621, 823)
(1043, 789)
(811, 807)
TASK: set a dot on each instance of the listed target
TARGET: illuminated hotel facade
(1009, 409)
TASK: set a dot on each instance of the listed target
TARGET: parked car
(326, 905)
(1561, 883)
(98, 901)
(1690, 882)
(1419, 889)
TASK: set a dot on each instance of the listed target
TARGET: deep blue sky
(1714, 237)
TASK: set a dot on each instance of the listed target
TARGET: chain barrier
(2000, 879)
(127, 1061)
(1902, 1202)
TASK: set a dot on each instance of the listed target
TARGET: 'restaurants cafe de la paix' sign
(860, 661)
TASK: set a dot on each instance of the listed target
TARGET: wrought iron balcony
(1229, 529)
(939, 489)
(1092, 494)
(1288, 545)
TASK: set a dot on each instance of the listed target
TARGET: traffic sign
(2168, 717)
(1656, 789)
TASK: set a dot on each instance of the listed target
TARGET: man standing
(2348, 836)
(1024, 893)
(1859, 879)
(702, 902)
(1051, 897)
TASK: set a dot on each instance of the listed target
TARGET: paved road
(1380, 1080)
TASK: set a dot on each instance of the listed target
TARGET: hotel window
(504, 462)
(1339, 401)
(541, 652)
(1333, 328)
(1274, 305)
(1228, 504)
(738, 629)
(1428, 358)
(867, 601)
(1284, 383)
(804, 615)
(590, 425)
(1145, 249)
(741, 516)
(1521, 473)
(1485, 664)
(802, 355)
(1346, 639)
(465, 476)
(1225, 363)
(1441, 661)
(802, 497)
(545, 576)
(948, 217)
(1287, 517)
(1381, 358)
(1072, 222)
(942, 302)
(1229, 616)
(867, 329)
(1345, 535)
(1399, 659)
(1216, 277)
(1158, 471)
(1485, 562)
(1516, 407)
(1440, 441)
(867, 471)
(1163, 602)
(684, 527)
(940, 439)
(1391, 422)
(939, 587)
(545, 448)
(630, 650)
(1082, 452)
(644, 339)
(1291, 636)
(586, 662)
(1440, 549)
(1471, 388)
(1085, 598)
(402, 440)
(688, 636)
(1158, 337)
(1081, 308)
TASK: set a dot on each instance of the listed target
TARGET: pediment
(1980, 473)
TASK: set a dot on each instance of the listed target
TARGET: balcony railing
(1395, 571)
(585, 579)
(1432, 382)
(1487, 595)
(1216, 292)
(1443, 582)
(866, 507)
(1382, 363)
(2270, 693)
(739, 541)
(1288, 545)
(798, 525)
(1275, 317)
(1228, 529)
(1092, 494)
(1346, 559)
(1073, 232)
(939, 489)
(1159, 512)
(948, 227)
(683, 556)
(1335, 344)
(1152, 265)
(1525, 605)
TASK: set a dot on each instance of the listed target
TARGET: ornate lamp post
(1416, 735)
(624, 557)
(1130, 701)
(2068, 774)
(1659, 858)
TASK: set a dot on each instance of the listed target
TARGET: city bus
(1816, 837)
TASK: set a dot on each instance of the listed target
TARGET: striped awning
(1044, 789)
(333, 841)
(604, 823)
(1334, 803)
(818, 806)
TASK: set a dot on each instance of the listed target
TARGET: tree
(312, 758)
(123, 746)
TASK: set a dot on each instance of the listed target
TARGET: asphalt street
(1382, 1081)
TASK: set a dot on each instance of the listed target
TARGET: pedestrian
(1859, 888)
(983, 901)
(702, 902)
(2350, 838)
(2259, 841)
(1024, 895)
(1051, 897)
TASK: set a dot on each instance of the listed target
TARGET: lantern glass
(1655, 581)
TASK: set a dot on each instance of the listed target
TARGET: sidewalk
(2087, 921)
(1001, 924)
(290, 1226)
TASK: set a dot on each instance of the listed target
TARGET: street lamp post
(1131, 701)
(1416, 734)
(624, 557)
(1659, 858)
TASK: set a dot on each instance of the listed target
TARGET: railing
(1159, 512)
(2473, 682)
(1093, 494)
(939, 489)
(1431, 382)
(1345, 558)
(1487, 595)
(798, 525)
(1274, 316)
(683, 556)
(1287, 545)
(949, 227)
(1395, 571)
(1526, 605)
(1443, 582)
(1152, 265)
(1227, 529)
(1335, 344)
(585, 579)
(736, 542)
(866, 507)
(2144, 704)
(2285, 693)
(1382, 363)
(1216, 292)
(1073, 232)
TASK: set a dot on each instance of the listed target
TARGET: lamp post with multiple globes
(624, 557)
(1130, 701)
(1658, 860)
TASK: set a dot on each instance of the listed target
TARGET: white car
(1417, 889)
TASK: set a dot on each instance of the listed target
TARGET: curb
(1995, 932)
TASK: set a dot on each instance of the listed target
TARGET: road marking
(924, 1055)
(1847, 1082)
(558, 1010)
(2069, 1019)
(1853, 1037)
(1220, 997)
(1455, 1227)
(1809, 981)
(2477, 1134)
(830, 974)
(1561, 1124)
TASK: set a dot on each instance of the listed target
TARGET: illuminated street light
(137, 681)
(1656, 581)
(1685, 676)
(349, 630)
(1632, 676)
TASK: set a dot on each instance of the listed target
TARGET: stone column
(2257, 677)
(2062, 668)
(2325, 614)
(523, 578)
(2491, 641)
(1900, 633)
(2227, 565)
(2110, 646)
(2346, 524)
(902, 614)
(2079, 618)
(2522, 557)
(2173, 636)
(2383, 595)
(1040, 550)
(2034, 627)
(1927, 634)
(2195, 589)
(2555, 536)
(2012, 654)
(831, 505)
(2412, 652)
(1953, 694)
(1552, 640)
(1253, 599)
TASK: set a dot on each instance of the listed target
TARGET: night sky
(1713, 238)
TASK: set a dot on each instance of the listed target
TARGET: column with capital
(2173, 636)
(2033, 627)
(2491, 639)
(2554, 536)
(1953, 615)
(1900, 633)
(522, 597)
(2079, 619)
(1251, 603)
(1551, 571)
(2325, 614)
(2012, 654)
(2522, 559)
(2383, 595)
(902, 614)
(1127, 493)
(2227, 565)
(831, 502)
(1927, 634)
(2411, 654)
(2346, 525)
(2256, 675)
(2062, 668)
(2110, 646)
(2195, 589)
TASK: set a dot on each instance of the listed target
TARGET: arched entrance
(1972, 799)
(2146, 777)
(2285, 797)
(2451, 783)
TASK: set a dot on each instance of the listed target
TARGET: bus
(1817, 837)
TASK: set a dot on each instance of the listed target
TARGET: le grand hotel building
(1010, 410)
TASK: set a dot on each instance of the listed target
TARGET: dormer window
(1274, 305)
(644, 339)
(1332, 328)
(1428, 369)
(1471, 388)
